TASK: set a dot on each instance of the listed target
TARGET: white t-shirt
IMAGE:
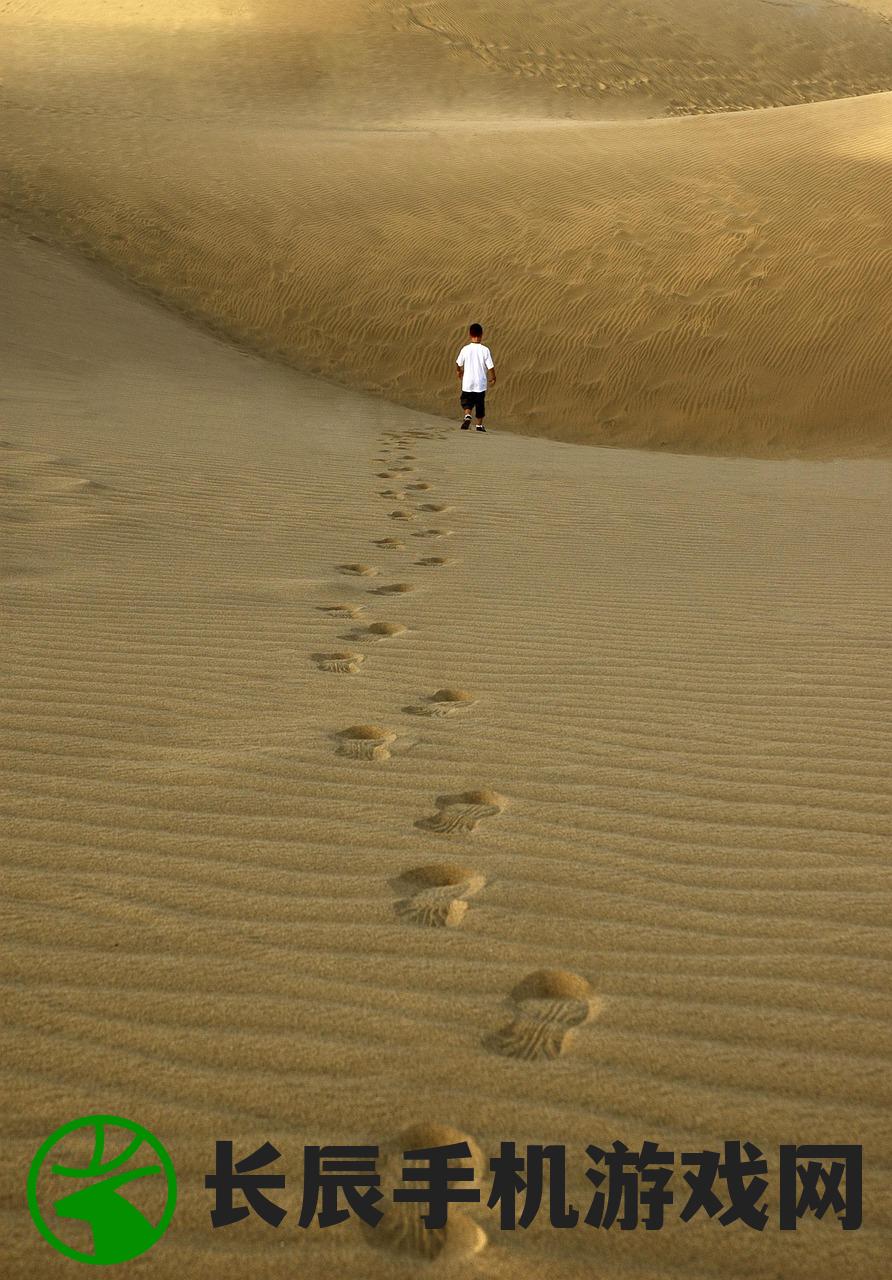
(474, 359)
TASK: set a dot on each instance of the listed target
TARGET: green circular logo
(111, 1153)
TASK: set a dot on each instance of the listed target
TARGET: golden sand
(313, 835)
(337, 187)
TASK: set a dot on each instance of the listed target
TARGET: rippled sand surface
(365, 780)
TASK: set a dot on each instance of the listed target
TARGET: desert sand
(364, 777)
(338, 186)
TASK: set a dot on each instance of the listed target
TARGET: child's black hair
(476, 331)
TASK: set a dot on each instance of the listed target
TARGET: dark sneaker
(466, 423)
(481, 428)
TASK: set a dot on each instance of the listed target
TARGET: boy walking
(472, 363)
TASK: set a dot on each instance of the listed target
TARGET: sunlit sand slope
(348, 193)
(359, 775)
(717, 284)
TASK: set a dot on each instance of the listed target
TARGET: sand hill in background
(359, 774)
(366, 780)
(346, 190)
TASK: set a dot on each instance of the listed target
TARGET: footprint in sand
(435, 506)
(407, 457)
(433, 533)
(393, 589)
(384, 630)
(402, 514)
(37, 488)
(359, 570)
(401, 1229)
(437, 894)
(365, 742)
(404, 468)
(445, 702)
(343, 610)
(548, 1006)
(339, 663)
(463, 812)
(421, 486)
(434, 562)
(390, 544)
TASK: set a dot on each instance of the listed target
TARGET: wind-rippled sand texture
(344, 189)
(369, 781)
(635, 887)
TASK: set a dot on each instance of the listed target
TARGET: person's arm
(491, 371)
(459, 369)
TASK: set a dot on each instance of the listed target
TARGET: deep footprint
(393, 588)
(365, 742)
(401, 1229)
(445, 702)
(463, 812)
(385, 630)
(437, 894)
(343, 610)
(339, 663)
(548, 1006)
(359, 570)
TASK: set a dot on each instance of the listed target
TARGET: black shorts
(475, 400)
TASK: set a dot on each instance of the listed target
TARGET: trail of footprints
(545, 1009)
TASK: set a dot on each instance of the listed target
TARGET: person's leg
(480, 409)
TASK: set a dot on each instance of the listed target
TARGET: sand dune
(673, 57)
(682, 57)
(712, 285)
(581, 837)
(365, 780)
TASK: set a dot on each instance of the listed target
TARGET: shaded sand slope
(683, 56)
(714, 285)
(669, 783)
